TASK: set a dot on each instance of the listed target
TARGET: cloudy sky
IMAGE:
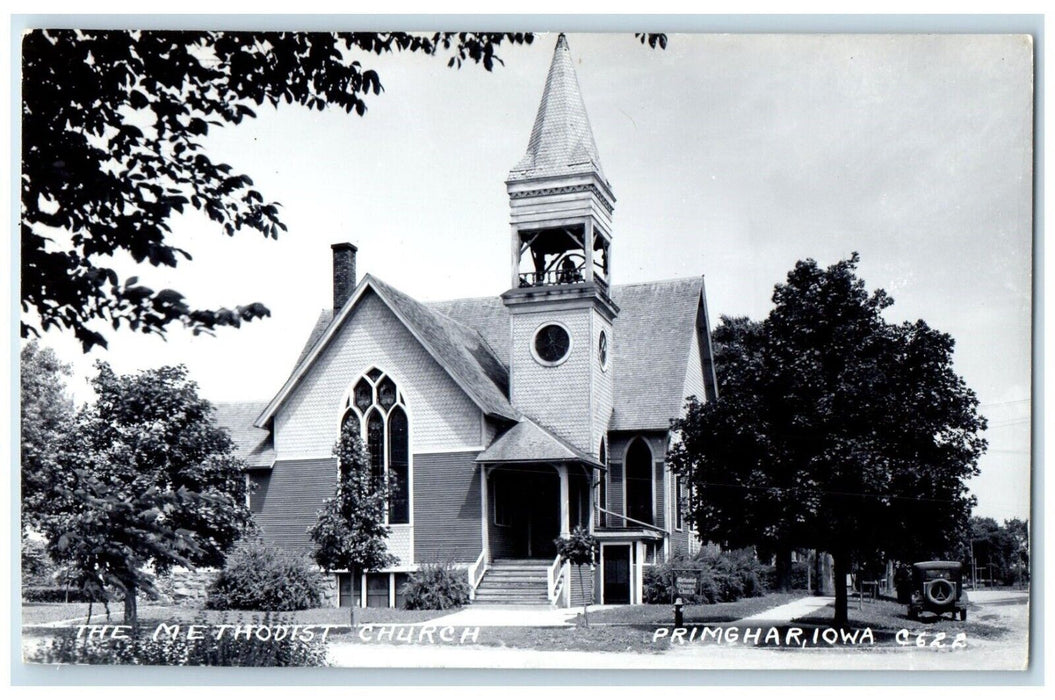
(731, 156)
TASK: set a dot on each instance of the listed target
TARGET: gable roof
(458, 349)
(651, 340)
(251, 443)
(561, 140)
(529, 442)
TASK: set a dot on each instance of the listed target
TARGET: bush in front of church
(720, 577)
(259, 576)
(436, 587)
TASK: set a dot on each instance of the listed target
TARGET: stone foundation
(185, 586)
(330, 594)
(190, 587)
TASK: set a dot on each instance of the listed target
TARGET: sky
(731, 156)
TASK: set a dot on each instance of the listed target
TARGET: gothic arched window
(375, 408)
(639, 482)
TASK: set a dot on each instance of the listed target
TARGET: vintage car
(937, 587)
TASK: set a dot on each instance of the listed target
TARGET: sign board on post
(685, 585)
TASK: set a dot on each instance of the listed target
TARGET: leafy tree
(146, 480)
(1000, 552)
(579, 549)
(350, 533)
(839, 432)
(113, 124)
(750, 481)
(46, 413)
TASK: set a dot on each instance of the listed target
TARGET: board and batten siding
(288, 498)
(446, 508)
(442, 416)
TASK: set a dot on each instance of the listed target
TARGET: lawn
(663, 614)
(40, 613)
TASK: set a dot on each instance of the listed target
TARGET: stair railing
(476, 574)
(555, 580)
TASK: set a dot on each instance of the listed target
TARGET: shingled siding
(558, 398)
(446, 508)
(601, 386)
(694, 373)
(441, 415)
(290, 500)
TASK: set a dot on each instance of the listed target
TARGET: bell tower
(561, 311)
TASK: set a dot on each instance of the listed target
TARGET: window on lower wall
(349, 590)
(377, 590)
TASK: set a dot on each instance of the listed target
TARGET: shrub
(293, 650)
(660, 586)
(53, 594)
(436, 587)
(720, 577)
(259, 576)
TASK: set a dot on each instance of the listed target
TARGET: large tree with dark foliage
(146, 480)
(46, 412)
(834, 429)
(113, 124)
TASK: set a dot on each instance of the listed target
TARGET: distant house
(504, 421)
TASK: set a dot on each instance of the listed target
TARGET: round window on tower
(602, 350)
(552, 344)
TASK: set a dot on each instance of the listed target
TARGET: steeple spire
(561, 141)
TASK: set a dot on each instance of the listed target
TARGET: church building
(505, 421)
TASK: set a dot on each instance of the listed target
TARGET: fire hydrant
(679, 617)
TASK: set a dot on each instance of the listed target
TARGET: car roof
(938, 565)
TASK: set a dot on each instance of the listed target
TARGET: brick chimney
(343, 274)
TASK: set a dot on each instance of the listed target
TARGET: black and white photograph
(704, 351)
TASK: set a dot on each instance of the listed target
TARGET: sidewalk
(791, 611)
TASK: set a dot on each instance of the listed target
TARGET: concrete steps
(514, 582)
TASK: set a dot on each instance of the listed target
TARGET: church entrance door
(527, 512)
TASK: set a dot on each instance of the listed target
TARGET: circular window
(602, 350)
(552, 344)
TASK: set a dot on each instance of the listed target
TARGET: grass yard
(40, 613)
(663, 614)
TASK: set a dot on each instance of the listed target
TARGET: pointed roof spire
(561, 141)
